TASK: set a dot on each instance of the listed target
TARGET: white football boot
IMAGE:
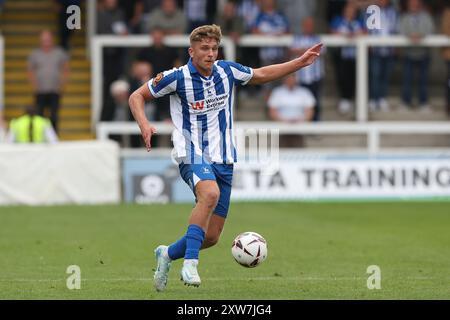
(189, 274)
(162, 268)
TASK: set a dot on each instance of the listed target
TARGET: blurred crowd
(159, 18)
(125, 69)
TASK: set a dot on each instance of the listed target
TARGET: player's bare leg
(207, 193)
(214, 231)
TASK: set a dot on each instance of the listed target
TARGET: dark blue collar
(193, 69)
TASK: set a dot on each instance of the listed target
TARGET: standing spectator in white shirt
(311, 76)
(291, 103)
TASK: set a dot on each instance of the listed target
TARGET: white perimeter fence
(362, 44)
(372, 130)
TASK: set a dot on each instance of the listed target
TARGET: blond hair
(206, 31)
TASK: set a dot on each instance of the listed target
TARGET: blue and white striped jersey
(202, 109)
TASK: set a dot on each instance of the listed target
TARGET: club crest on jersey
(198, 105)
(158, 78)
(205, 170)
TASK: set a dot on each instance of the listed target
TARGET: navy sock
(177, 249)
(194, 239)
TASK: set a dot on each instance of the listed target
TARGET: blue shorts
(221, 173)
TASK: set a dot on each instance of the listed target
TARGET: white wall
(63, 173)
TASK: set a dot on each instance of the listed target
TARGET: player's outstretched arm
(137, 102)
(278, 71)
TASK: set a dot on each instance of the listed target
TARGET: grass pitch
(316, 251)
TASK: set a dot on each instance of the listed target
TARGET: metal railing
(362, 44)
(372, 130)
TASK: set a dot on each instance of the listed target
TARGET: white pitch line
(219, 279)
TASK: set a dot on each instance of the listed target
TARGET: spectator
(199, 12)
(446, 31)
(296, 11)
(120, 92)
(292, 104)
(348, 25)
(247, 11)
(230, 23)
(64, 32)
(416, 24)
(111, 20)
(150, 5)
(382, 58)
(168, 18)
(334, 9)
(362, 5)
(273, 23)
(133, 11)
(311, 76)
(48, 71)
(141, 72)
(31, 128)
(160, 57)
